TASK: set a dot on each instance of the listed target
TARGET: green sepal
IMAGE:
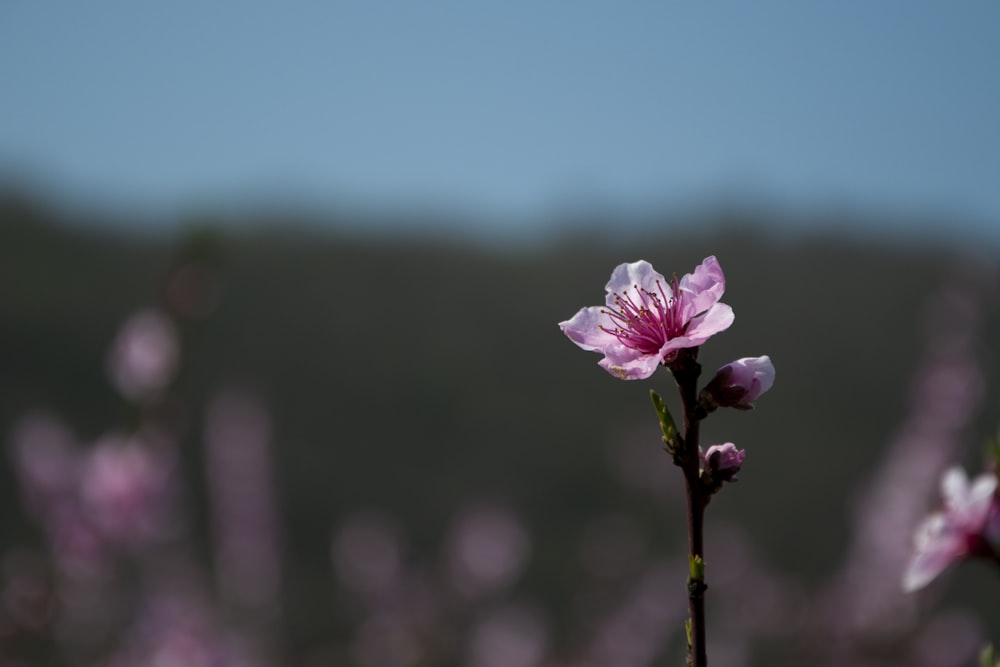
(696, 566)
(666, 420)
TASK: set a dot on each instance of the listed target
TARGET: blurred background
(280, 376)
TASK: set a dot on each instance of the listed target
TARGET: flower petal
(936, 546)
(585, 330)
(628, 364)
(976, 510)
(728, 457)
(924, 566)
(954, 488)
(703, 288)
(719, 318)
(763, 372)
(626, 276)
(930, 531)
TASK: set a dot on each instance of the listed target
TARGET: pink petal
(628, 364)
(937, 543)
(703, 288)
(968, 505)
(954, 487)
(729, 457)
(584, 329)
(924, 566)
(718, 318)
(754, 374)
(627, 276)
(978, 502)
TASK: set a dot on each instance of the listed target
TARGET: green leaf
(666, 420)
(987, 657)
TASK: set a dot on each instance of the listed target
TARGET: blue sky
(509, 108)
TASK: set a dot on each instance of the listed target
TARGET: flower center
(978, 546)
(646, 319)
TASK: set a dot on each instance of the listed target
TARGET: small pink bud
(739, 384)
(724, 461)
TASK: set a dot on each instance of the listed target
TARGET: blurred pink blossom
(49, 464)
(144, 356)
(178, 629)
(863, 606)
(488, 548)
(646, 319)
(124, 487)
(368, 553)
(514, 635)
(967, 526)
(46, 458)
(245, 519)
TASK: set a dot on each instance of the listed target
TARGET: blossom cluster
(115, 580)
(648, 321)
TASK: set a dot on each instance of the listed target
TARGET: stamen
(645, 319)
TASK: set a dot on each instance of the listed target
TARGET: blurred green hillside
(416, 376)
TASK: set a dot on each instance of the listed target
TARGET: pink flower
(966, 527)
(724, 461)
(647, 319)
(144, 356)
(740, 383)
(124, 489)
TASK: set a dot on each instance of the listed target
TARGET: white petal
(703, 287)
(924, 566)
(628, 364)
(627, 276)
(584, 329)
(978, 501)
(954, 488)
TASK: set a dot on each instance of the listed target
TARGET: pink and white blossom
(740, 383)
(966, 526)
(647, 319)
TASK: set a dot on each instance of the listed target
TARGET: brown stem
(696, 589)
(686, 374)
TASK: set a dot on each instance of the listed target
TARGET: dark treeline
(416, 377)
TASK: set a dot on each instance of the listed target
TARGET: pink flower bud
(724, 461)
(739, 384)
